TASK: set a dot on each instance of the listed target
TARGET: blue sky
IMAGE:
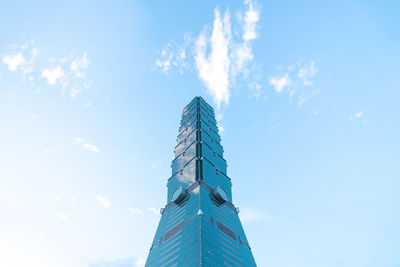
(306, 95)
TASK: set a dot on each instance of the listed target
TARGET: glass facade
(199, 225)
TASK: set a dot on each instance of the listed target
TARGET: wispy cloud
(53, 74)
(296, 80)
(357, 115)
(280, 83)
(13, 61)
(165, 61)
(306, 73)
(223, 56)
(66, 72)
(91, 147)
(154, 210)
(22, 59)
(218, 55)
(175, 56)
(213, 69)
(229, 55)
(85, 145)
(78, 65)
(242, 52)
(69, 73)
(135, 211)
(103, 201)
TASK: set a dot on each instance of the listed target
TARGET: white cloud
(279, 83)
(296, 81)
(14, 61)
(165, 62)
(22, 60)
(256, 89)
(228, 56)
(252, 16)
(175, 56)
(357, 115)
(79, 64)
(307, 72)
(242, 53)
(73, 199)
(68, 71)
(85, 145)
(61, 215)
(53, 74)
(103, 201)
(213, 69)
(135, 211)
(219, 56)
(91, 147)
(154, 210)
(35, 116)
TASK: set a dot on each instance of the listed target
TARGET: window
(174, 230)
(226, 230)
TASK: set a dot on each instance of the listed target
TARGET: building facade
(199, 225)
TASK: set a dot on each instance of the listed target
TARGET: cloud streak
(85, 145)
(229, 56)
(103, 201)
(213, 69)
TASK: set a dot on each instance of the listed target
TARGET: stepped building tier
(199, 225)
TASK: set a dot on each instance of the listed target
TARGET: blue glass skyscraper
(199, 225)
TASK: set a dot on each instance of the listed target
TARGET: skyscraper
(199, 225)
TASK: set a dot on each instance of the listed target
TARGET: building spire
(199, 225)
